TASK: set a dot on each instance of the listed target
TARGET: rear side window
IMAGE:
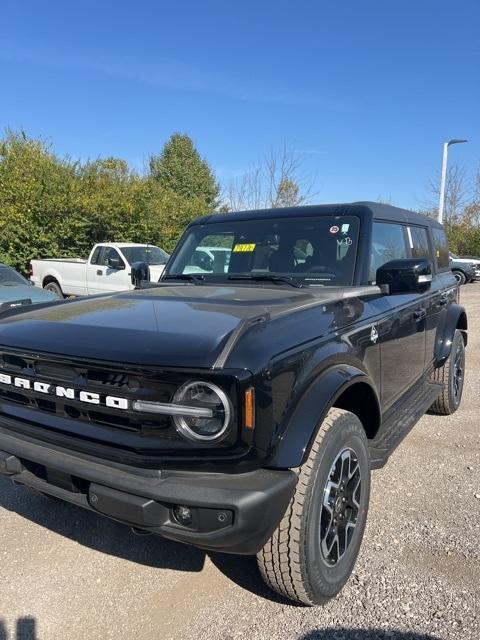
(441, 249)
(418, 239)
(388, 243)
(96, 256)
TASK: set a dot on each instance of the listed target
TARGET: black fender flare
(293, 445)
(456, 319)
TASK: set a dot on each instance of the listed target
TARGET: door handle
(99, 272)
(420, 314)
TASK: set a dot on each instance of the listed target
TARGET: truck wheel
(459, 276)
(451, 374)
(311, 554)
(55, 288)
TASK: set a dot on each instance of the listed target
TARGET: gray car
(462, 270)
(15, 290)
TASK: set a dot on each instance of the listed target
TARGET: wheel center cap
(338, 504)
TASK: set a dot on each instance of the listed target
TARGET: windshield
(9, 277)
(313, 251)
(150, 254)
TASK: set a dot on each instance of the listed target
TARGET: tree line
(52, 206)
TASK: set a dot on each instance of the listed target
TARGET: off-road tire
(449, 401)
(55, 288)
(291, 562)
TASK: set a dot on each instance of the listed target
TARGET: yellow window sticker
(244, 248)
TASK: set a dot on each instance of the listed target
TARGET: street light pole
(441, 204)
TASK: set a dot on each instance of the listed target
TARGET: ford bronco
(241, 404)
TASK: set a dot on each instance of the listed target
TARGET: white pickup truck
(108, 269)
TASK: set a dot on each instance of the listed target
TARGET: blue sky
(367, 90)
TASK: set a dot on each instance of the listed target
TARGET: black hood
(171, 325)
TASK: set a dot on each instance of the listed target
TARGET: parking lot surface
(70, 574)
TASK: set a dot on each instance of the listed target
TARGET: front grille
(98, 428)
(93, 379)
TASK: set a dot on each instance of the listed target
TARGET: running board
(401, 418)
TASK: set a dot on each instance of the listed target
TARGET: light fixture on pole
(444, 176)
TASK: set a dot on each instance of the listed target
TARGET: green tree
(57, 207)
(36, 190)
(181, 169)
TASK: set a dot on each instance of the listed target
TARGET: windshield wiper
(268, 277)
(189, 277)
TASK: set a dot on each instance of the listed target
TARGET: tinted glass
(96, 256)
(388, 243)
(419, 242)
(441, 249)
(108, 252)
(150, 254)
(316, 251)
(9, 277)
(211, 255)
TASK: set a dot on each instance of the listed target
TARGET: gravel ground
(70, 574)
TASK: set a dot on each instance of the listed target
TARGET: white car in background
(108, 269)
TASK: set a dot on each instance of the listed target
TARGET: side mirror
(115, 262)
(140, 273)
(411, 275)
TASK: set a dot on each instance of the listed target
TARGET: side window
(109, 252)
(441, 249)
(96, 255)
(418, 238)
(388, 243)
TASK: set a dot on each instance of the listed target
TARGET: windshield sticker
(347, 240)
(334, 229)
(244, 248)
(345, 228)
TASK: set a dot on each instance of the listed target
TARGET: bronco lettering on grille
(69, 393)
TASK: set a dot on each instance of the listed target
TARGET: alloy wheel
(458, 368)
(340, 507)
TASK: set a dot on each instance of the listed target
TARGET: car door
(421, 247)
(443, 291)
(94, 270)
(401, 331)
(101, 278)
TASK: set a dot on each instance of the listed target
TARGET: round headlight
(203, 395)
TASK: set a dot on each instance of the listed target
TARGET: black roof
(375, 210)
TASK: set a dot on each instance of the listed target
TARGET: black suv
(241, 404)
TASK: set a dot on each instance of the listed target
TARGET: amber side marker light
(249, 420)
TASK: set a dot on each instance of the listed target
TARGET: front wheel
(311, 554)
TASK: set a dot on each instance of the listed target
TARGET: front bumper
(233, 513)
